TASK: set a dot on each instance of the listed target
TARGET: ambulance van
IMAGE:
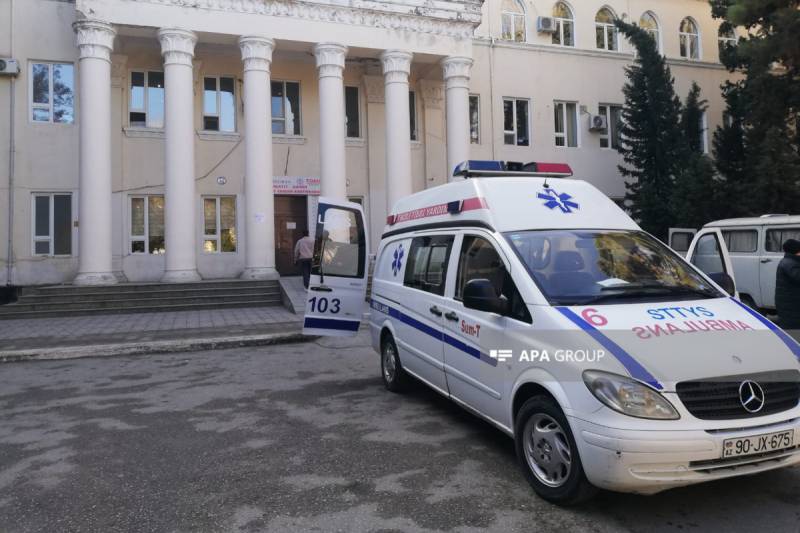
(536, 303)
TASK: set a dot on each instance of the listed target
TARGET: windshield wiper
(638, 290)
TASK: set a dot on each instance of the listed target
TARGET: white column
(177, 47)
(95, 41)
(259, 202)
(456, 76)
(333, 170)
(396, 68)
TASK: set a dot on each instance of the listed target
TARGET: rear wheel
(394, 377)
(548, 455)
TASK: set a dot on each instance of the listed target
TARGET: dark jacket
(787, 292)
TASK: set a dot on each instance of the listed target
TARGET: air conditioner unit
(8, 66)
(546, 25)
(598, 122)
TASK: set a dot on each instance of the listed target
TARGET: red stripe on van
(468, 204)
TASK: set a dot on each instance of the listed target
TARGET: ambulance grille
(718, 399)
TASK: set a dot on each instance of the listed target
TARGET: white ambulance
(536, 303)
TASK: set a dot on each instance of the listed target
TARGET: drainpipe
(11, 153)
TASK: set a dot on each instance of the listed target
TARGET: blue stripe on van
(631, 365)
(782, 335)
(331, 323)
(432, 331)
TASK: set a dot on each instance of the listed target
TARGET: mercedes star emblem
(751, 395)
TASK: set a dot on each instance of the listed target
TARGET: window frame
(218, 114)
(448, 240)
(358, 112)
(771, 229)
(413, 118)
(477, 98)
(606, 26)
(145, 238)
(688, 36)
(514, 132)
(564, 116)
(218, 223)
(50, 237)
(559, 22)
(50, 105)
(608, 135)
(146, 99)
(514, 16)
(298, 116)
(726, 232)
(655, 33)
(726, 40)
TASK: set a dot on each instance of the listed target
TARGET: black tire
(573, 487)
(394, 379)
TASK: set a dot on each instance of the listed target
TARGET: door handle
(451, 316)
(435, 310)
(321, 288)
(766, 260)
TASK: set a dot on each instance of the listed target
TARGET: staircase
(62, 300)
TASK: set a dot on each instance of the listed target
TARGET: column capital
(177, 46)
(457, 71)
(396, 66)
(94, 38)
(256, 52)
(330, 59)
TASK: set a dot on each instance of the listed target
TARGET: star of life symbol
(554, 200)
(501, 355)
(397, 263)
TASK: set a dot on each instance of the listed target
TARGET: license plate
(767, 442)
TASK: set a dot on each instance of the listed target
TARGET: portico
(433, 48)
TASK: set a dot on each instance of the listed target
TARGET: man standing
(787, 286)
(303, 252)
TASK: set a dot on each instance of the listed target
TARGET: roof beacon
(485, 169)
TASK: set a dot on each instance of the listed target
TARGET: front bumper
(647, 462)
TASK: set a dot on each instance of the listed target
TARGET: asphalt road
(299, 437)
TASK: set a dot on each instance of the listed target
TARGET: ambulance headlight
(628, 396)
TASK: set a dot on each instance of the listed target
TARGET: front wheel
(548, 455)
(394, 377)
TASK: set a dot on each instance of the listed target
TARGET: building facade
(174, 140)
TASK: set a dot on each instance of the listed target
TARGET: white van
(755, 248)
(536, 303)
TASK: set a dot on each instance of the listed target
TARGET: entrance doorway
(291, 220)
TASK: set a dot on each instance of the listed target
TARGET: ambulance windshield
(578, 267)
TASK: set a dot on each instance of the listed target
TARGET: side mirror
(725, 281)
(479, 294)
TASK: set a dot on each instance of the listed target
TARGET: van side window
(427, 263)
(741, 240)
(776, 238)
(479, 260)
(339, 248)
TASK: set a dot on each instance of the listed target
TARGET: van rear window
(427, 263)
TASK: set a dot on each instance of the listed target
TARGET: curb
(151, 347)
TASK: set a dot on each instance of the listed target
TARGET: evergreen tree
(651, 144)
(691, 121)
(729, 154)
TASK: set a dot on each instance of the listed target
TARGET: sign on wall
(296, 185)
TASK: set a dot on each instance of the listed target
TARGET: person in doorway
(787, 286)
(303, 252)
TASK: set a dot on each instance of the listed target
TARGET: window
(776, 238)
(147, 225)
(285, 108)
(649, 24)
(340, 245)
(479, 260)
(352, 115)
(726, 37)
(52, 93)
(515, 122)
(741, 241)
(689, 39)
(426, 269)
(219, 224)
(610, 135)
(606, 32)
(52, 224)
(219, 104)
(513, 21)
(565, 25)
(681, 240)
(566, 124)
(474, 119)
(146, 105)
(412, 114)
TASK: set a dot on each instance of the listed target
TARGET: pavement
(297, 437)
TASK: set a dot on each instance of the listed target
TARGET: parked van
(755, 248)
(536, 303)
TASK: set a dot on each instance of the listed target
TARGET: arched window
(605, 30)
(649, 24)
(513, 17)
(690, 39)
(726, 37)
(565, 25)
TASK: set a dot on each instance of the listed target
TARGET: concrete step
(118, 310)
(65, 297)
(144, 287)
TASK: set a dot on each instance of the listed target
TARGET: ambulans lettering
(689, 326)
(665, 313)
